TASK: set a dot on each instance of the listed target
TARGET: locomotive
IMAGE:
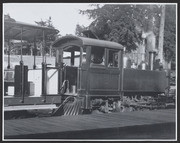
(91, 77)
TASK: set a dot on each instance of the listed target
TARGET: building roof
(12, 30)
(80, 41)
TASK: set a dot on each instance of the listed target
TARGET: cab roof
(80, 41)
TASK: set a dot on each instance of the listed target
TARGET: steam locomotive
(91, 77)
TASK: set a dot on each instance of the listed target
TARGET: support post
(43, 47)
(72, 58)
(43, 79)
(60, 66)
(22, 69)
(44, 75)
(9, 53)
(34, 53)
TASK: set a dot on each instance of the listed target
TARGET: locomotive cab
(89, 68)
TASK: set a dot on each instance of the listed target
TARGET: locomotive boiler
(91, 77)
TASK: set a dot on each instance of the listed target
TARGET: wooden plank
(62, 124)
(29, 107)
(90, 120)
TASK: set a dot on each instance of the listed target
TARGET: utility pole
(161, 35)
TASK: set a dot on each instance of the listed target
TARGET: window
(67, 58)
(113, 60)
(71, 56)
(98, 55)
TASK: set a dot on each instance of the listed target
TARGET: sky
(64, 16)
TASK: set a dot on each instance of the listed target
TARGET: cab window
(97, 55)
(113, 58)
(71, 56)
(84, 55)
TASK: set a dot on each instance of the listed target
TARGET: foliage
(8, 18)
(47, 23)
(50, 38)
(124, 24)
(79, 29)
(120, 23)
(170, 33)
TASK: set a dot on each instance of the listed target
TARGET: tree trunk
(161, 36)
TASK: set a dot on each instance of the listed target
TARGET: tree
(79, 29)
(120, 23)
(50, 38)
(125, 23)
(47, 23)
(8, 18)
(170, 33)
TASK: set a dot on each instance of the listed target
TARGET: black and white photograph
(89, 71)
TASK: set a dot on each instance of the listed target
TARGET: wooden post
(161, 35)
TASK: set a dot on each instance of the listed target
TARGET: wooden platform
(156, 124)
